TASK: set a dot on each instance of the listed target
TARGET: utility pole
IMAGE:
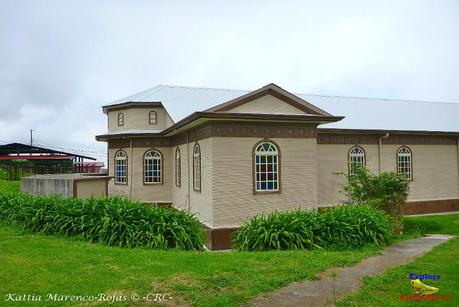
(31, 137)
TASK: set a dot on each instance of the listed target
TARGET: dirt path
(327, 290)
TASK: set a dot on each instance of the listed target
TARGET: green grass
(448, 224)
(9, 186)
(385, 290)
(39, 264)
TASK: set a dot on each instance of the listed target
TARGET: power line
(93, 152)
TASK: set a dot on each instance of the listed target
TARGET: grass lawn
(449, 224)
(443, 260)
(9, 186)
(38, 264)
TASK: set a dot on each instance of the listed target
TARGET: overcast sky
(61, 60)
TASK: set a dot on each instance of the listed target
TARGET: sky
(60, 61)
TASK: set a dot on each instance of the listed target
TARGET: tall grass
(336, 228)
(112, 221)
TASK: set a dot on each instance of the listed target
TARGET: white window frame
(266, 167)
(153, 118)
(153, 167)
(405, 162)
(178, 167)
(356, 157)
(197, 180)
(120, 119)
(121, 167)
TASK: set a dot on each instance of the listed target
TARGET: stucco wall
(138, 118)
(435, 174)
(266, 105)
(143, 192)
(199, 203)
(233, 197)
(89, 188)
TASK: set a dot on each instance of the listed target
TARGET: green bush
(387, 191)
(350, 226)
(421, 226)
(341, 227)
(112, 221)
(278, 230)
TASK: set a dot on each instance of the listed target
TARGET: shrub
(278, 230)
(351, 226)
(339, 227)
(387, 191)
(112, 221)
(421, 226)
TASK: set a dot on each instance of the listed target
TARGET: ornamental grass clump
(114, 221)
(350, 226)
(336, 228)
(278, 231)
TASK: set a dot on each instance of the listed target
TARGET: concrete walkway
(327, 290)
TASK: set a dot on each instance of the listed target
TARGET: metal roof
(360, 113)
(37, 152)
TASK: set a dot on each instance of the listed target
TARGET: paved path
(323, 292)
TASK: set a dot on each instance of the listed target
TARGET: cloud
(60, 61)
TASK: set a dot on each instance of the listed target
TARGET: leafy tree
(387, 191)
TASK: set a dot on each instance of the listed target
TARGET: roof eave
(128, 104)
(319, 119)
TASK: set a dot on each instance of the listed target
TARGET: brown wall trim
(431, 206)
(339, 138)
(220, 238)
(273, 130)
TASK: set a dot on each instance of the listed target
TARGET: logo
(423, 291)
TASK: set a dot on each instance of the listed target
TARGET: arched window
(405, 162)
(178, 168)
(153, 117)
(120, 167)
(152, 167)
(197, 167)
(356, 158)
(266, 167)
(120, 119)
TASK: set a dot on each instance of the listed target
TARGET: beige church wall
(267, 104)
(144, 192)
(435, 174)
(117, 189)
(151, 192)
(199, 202)
(180, 194)
(138, 118)
(435, 170)
(233, 196)
(332, 159)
